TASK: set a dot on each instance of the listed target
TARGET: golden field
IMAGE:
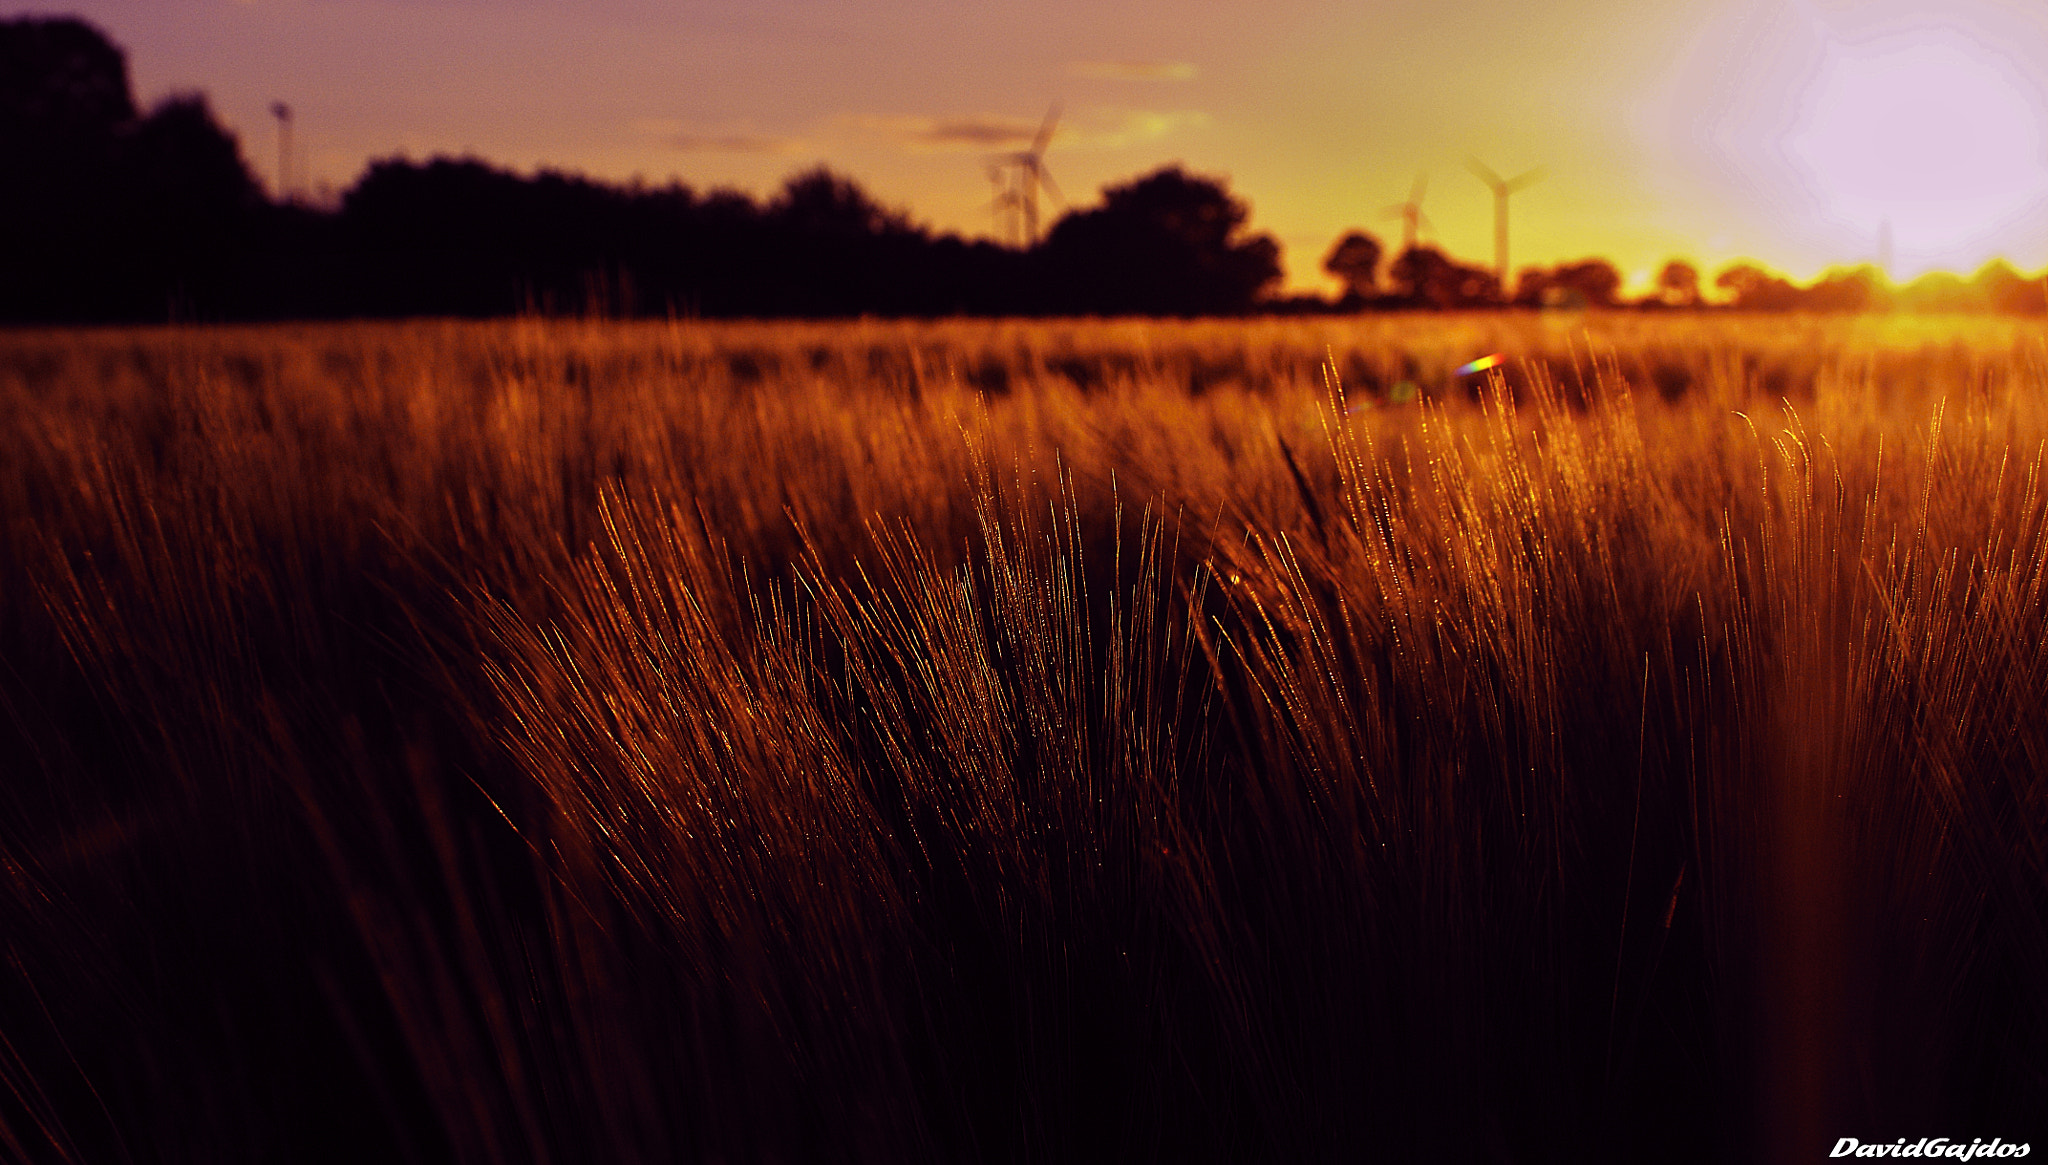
(1024, 741)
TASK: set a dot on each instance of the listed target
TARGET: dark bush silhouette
(104, 214)
(64, 110)
(63, 99)
(1753, 288)
(1356, 260)
(1596, 279)
(1587, 283)
(1996, 287)
(192, 206)
(1169, 243)
(835, 251)
(460, 237)
(1426, 277)
(1847, 289)
(1678, 284)
(107, 213)
(2006, 290)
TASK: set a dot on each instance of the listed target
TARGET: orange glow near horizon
(1808, 134)
(1895, 132)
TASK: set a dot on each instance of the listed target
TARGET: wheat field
(1023, 741)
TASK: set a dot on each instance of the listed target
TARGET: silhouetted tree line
(110, 214)
(105, 211)
(1996, 287)
(1425, 278)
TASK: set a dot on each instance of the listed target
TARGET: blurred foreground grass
(1023, 741)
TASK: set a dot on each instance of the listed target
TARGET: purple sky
(1779, 130)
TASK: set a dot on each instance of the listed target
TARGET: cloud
(1130, 127)
(946, 134)
(676, 136)
(1091, 129)
(1133, 70)
(691, 143)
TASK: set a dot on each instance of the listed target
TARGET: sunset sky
(1786, 131)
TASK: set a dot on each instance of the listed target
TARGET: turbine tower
(1501, 189)
(1019, 177)
(1000, 203)
(1410, 213)
(283, 114)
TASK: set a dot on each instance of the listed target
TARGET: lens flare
(1911, 133)
(1931, 133)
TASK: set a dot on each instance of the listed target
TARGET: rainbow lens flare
(1480, 365)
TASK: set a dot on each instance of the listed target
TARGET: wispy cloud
(1131, 127)
(1090, 129)
(1133, 70)
(676, 136)
(938, 134)
(734, 144)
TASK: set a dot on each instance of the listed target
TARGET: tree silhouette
(1356, 260)
(104, 214)
(1940, 291)
(833, 250)
(1678, 284)
(1846, 289)
(64, 111)
(63, 86)
(1587, 283)
(1755, 289)
(458, 236)
(2006, 290)
(1168, 243)
(111, 214)
(187, 232)
(820, 204)
(1426, 277)
(1594, 280)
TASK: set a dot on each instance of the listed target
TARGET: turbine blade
(1529, 179)
(1421, 184)
(1051, 187)
(1045, 131)
(1485, 174)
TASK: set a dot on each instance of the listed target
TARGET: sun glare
(1925, 135)
(1833, 132)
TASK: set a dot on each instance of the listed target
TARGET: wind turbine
(1410, 213)
(1001, 202)
(1501, 189)
(1018, 178)
(283, 114)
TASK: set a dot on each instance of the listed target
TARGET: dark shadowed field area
(1036, 742)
